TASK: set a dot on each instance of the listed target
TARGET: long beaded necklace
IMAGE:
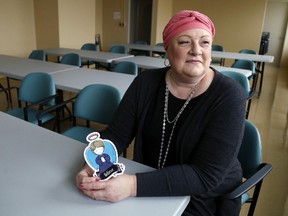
(174, 121)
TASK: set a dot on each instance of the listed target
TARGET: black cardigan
(206, 163)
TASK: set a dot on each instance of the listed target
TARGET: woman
(187, 120)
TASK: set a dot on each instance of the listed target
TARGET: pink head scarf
(184, 20)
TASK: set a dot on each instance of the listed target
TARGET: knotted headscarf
(184, 20)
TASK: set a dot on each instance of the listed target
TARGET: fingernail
(97, 179)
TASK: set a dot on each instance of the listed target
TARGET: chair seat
(19, 113)
(78, 133)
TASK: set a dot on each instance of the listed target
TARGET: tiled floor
(270, 114)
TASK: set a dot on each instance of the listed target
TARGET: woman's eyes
(189, 42)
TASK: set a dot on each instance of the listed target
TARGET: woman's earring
(166, 62)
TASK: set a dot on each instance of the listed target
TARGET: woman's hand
(112, 190)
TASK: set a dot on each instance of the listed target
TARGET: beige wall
(46, 23)
(162, 12)
(17, 27)
(76, 22)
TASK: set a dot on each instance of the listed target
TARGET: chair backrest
(244, 64)
(141, 42)
(89, 46)
(240, 78)
(216, 47)
(118, 49)
(97, 102)
(38, 55)
(37, 86)
(126, 68)
(250, 154)
(71, 59)
(248, 51)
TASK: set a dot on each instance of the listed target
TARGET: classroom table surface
(148, 62)
(216, 54)
(104, 57)
(38, 169)
(17, 67)
(76, 79)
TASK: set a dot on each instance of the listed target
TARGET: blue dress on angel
(101, 155)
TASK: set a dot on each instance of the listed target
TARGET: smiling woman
(187, 120)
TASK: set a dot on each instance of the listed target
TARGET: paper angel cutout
(101, 155)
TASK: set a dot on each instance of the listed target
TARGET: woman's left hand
(112, 190)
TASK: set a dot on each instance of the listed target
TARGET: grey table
(152, 62)
(18, 68)
(38, 169)
(76, 79)
(104, 57)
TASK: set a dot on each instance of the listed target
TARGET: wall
(76, 22)
(46, 23)
(162, 12)
(17, 27)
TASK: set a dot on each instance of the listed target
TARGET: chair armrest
(265, 168)
(54, 108)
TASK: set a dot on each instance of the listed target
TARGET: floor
(270, 115)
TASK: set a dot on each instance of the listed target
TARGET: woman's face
(189, 53)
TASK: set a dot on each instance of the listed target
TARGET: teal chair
(254, 170)
(90, 47)
(220, 61)
(114, 49)
(71, 59)
(38, 55)
(244, 82)
(248, 65)
(37, 91)
(96, 103)
(248, 51)
(139, 52)
(126, 67)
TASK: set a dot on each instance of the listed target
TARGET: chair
(220, 61)
(139, 52)
(114, 49)
(36, 91)
(258, 70)
(97, 103)
(157, 54)
(71, 59)
(38, 55)
(254, 170)
(91, 47)
(248, 65)
(243, 81)
(126, 67)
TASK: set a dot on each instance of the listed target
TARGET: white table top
(217, 54)
(152, 62)
(244, 56)
(144, 47)
(76, 79)
(17, 68)
(106, 57)
(38, 169)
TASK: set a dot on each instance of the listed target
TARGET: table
(38, 169)
(152, 62)
(18, 68)
(104, 57)
(244, 56)
(76, 79)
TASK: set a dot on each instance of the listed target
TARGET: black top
(203, 163)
